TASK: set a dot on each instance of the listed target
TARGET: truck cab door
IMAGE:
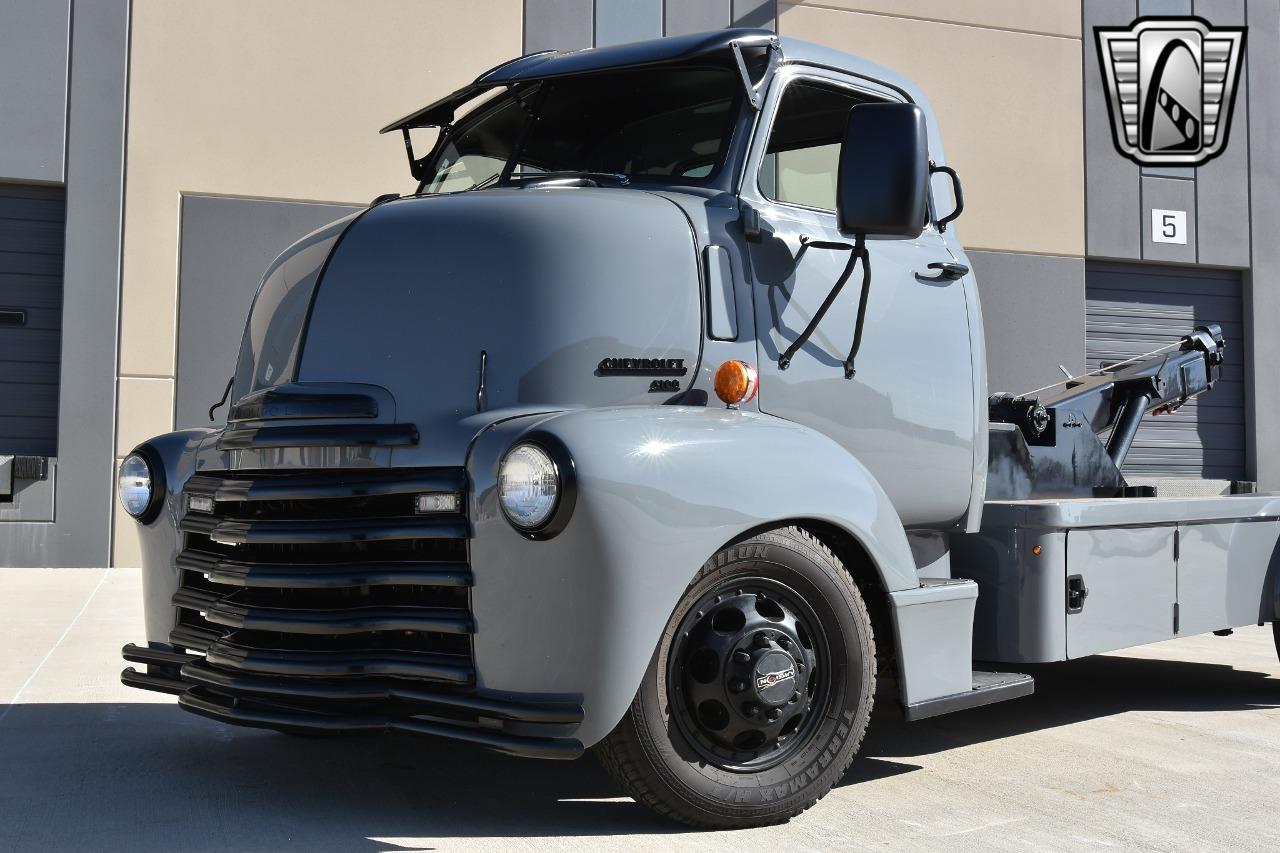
(908, 412)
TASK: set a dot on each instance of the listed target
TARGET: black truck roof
(548, 63)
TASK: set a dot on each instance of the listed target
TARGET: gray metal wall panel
(1164, 7)
(1132, 309)
(1112, 183)
(81, 534)
(695, 16)
(1222, 185)
(227, 244)
(32, 221)
(1168, 194)
(622, 21)
(1018, 293)
(557, 25)
(33, 89)
(756, 13)
(1263, 56)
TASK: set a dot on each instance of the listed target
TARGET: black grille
(326, 580)
(320, 601)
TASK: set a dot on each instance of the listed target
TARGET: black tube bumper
(530, 728)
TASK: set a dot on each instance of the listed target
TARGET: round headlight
(135, 485)
(528, 486)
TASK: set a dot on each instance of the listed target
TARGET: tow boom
(1050, 442)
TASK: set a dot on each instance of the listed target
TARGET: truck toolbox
(1062, 579)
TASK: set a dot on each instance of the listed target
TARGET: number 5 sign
(1169, 226)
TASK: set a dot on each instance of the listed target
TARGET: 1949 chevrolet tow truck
(585, 444)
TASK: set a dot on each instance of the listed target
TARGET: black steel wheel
(744, 676)
(759, 694)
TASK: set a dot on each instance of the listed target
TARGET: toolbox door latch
(1077, 592)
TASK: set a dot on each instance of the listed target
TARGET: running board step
(988, 688)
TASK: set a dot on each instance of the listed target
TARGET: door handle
(947, 271)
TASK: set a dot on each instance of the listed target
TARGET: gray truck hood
(563, 291)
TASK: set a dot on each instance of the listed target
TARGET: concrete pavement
(1170, 747)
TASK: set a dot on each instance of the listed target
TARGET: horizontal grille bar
(200, 673)
(351, 620)
(240, 531)
(336, 435)
(193, 637)
(226, 709)
(320, 664)
(145, 654)
(265, 575)
(321, 487)
(158, 683)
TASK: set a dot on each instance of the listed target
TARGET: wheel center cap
(774, 677)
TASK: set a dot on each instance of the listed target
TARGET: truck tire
(1275, 632)
(758, 695)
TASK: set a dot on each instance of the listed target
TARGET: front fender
(659, 491)
(160, 540)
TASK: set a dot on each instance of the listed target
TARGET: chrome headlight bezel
(561, 463)
(149, 460)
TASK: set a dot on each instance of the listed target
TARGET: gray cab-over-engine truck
(585, 444)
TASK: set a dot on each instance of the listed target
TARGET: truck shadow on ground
(1066, 693)
(146, 776)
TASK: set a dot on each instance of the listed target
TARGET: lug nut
(741, 657)
(762, 639)
(784, 643)
(773, 715)
(750, 709)
(738, 685)
(795, 697)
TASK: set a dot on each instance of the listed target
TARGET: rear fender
(658, 492)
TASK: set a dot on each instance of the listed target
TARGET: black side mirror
(883, 182)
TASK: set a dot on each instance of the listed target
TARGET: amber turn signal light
(736, 382)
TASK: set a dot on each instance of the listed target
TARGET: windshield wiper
(489, 181)
(570, 175)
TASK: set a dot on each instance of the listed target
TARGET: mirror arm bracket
(857, 250)
(418, 165)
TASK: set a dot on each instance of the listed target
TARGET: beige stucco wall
(1051, 17)
(1004, 77)
(279, 99)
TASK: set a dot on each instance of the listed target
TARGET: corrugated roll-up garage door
(1132, 309)
(32, 222)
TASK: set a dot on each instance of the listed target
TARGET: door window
(803, 157)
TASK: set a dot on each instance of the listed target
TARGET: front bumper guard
(533, 729)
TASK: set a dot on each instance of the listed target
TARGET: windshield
(668, 123)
